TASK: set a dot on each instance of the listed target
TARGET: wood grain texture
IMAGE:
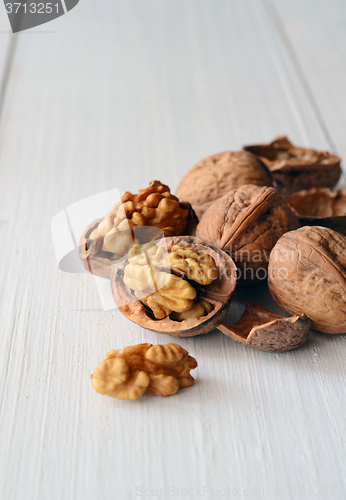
(122, 93)
(314, 36)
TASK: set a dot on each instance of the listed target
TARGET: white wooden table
(113, 95)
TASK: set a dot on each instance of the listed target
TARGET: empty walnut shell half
(246, 223)
(293, 169)
(320, 207)
(108, 239)
(266, 331)
(306, 275)
(218, 174)
(195, 299)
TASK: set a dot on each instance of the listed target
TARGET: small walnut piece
(293, 169)
(246, 223)
(218, 174)
(306, 275)
(130, 372)
(138, 218)
(266, 331)
(198, 310)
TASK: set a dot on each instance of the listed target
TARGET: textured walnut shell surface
(307, 275)
(246, 223)
(293, 168)
(218, 174)
(218, 293)
(320, 207)
(266, 331)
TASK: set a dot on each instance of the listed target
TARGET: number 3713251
(33, 8)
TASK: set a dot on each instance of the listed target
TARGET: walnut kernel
(130, 372)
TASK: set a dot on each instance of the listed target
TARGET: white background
(113, 95)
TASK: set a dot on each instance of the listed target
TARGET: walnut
(246, 223)
(293, 169)
(199, 309)
(176, 295)
(320, 207)
(189, 303)
(306, 275)
(198, 266)
(138, 218)
(144, 275)
(218, 174)
(130, 372)
(266, 331)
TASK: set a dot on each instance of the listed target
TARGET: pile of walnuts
(265, 214)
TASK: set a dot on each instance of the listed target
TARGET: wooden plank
(314, 36)
(122, 93)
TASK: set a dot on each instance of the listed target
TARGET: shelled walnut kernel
(130, 372)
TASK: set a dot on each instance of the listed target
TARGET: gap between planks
(278, 25)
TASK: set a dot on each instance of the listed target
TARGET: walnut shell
(306, 275)
(246, 223)
(293, 169)
(266, 331)
(148, 215)
(320, 207)
(218, 293)
(216, 175)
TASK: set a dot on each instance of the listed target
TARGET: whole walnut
(216, 175)
(151, 213)
(246, 223)
(306, 275)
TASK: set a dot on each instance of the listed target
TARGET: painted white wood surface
(123, 92)
(314, 33)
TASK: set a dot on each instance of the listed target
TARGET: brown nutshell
(266, 331)
(191, 296)
(218, 174)
(130, 372)
(306, 275)
(320, 207)
(138, 218)
(293, 168)
(246, 223)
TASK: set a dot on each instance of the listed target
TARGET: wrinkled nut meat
(111, 238)
(306, 275)
(218, 174)
(266, 331)
(320, 207)
(293, 169)
(130, 372)
(246, 223)
(185, 292)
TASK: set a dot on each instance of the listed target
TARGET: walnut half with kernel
(186, 291)
(151, 213)
(130, 372)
